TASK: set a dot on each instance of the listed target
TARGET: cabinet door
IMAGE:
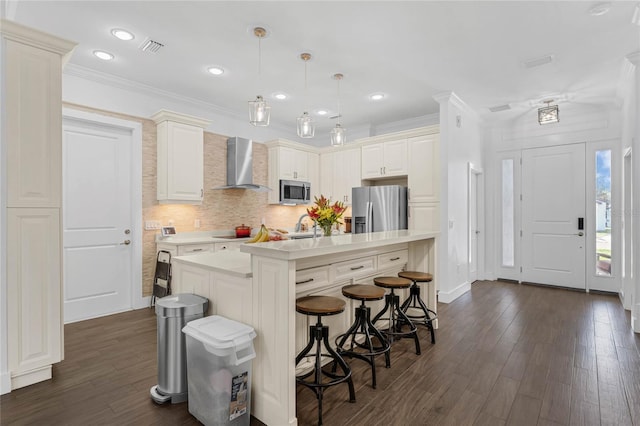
(327, 175)
(33, 117)
(346, 173)
(395, 158)
(314, 173)
(301, 165)
(372, 160)
(424, 171)
(33, 291)
(286, 162)
(424, 216)
(185, 173)
(189, 279)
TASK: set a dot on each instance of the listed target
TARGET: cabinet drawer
(394, 258)
(310, 279)
(227, 246)
(354, 268)
(194, 249)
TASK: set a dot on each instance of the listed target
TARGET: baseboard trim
(31, 377)
(5, 383)
(142, 302)
(450, 296)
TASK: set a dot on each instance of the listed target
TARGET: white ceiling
(408, 50)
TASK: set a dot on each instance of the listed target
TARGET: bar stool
(361, 332)
(414, 301)
(397, 318)
(318, 335)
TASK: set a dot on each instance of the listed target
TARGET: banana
(265, 235)
(258, 236)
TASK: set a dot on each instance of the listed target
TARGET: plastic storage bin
(219, 354)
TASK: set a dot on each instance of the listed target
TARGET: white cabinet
(231, 246)
(291, 161)
(424, 171)
(384, 159)
(180, 158)
(424, 216)
(31, 102)
(339, 173)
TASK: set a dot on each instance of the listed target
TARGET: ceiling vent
(499, 108)
(536, 62)
(151, 46)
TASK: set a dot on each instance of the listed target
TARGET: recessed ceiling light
(322, 112)
(105, 56)
(280, 96)
(215, 70)
(122, 34)
(600, 9)
(376, 96)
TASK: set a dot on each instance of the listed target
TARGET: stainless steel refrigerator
(378, 208)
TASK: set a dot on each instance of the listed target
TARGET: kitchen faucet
(297, 228)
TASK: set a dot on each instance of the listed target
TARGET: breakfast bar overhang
(273, 289)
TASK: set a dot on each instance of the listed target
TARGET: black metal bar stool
(397, 318)
(319, 335)
(414, 301)
(359, 336)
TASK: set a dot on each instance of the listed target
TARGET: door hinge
(521, 232)
(520, 197)
(521, 269)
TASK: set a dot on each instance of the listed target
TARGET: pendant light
(306, 128)
(259, 111)
(337, 134)
(548, 114)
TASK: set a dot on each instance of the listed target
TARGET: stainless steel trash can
(173, 313)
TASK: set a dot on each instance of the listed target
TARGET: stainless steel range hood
(240, 165)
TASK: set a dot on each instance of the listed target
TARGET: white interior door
(97, 220)
(553, 198)
(474, 229)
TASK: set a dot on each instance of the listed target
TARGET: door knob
(125, 242)
(579, 234)
(127, 231)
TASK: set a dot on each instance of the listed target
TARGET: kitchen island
(280, 271)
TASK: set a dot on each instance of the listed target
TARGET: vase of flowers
(325, 214)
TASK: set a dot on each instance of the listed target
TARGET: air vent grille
(499, 108)
(151, 46)
(536, 62)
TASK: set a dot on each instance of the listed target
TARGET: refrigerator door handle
(369, 216)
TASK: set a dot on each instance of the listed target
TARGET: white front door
(97, 219)
(553, 191)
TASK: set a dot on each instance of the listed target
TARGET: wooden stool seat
(392, 282)
(421, 277)
(319, 305)
(363, 292)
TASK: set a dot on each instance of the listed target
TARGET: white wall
(460, 144)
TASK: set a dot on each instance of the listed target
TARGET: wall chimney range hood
(240, 165)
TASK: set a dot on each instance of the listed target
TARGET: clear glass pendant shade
(338, 136)
(259, 112)
(306, 128)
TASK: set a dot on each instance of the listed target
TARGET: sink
(300, 235)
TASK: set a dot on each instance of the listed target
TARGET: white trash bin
(219, 354)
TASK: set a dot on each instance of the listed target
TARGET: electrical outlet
(150, 225)
(196, 223)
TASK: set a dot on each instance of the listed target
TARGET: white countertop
(310, 247)
(227, 262)
(203, 237)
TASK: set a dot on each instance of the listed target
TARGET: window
(508, 214)
(603, 212)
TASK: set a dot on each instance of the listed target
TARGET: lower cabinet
(34, 292)
(424, 216)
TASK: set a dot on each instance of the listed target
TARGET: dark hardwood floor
(506, 354)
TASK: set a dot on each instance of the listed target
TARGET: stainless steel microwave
(294, 192)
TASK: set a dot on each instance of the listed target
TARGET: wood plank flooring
(506, 354)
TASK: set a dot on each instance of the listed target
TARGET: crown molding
(13, 31)
(406, 124)
(454, 100)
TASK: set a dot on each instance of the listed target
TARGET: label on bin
(239, 388)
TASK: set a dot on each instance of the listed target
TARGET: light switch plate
(150, 225)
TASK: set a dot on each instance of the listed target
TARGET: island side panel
(422, 257)
(274, 392)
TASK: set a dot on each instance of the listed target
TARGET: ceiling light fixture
(548, 114)
(280, 96)
(105, 56)
(600, 9)
(337, 134)
(215, 70)
(259, 111)
(122, 34)
(306, 128)
(322, 112)
(376, 96)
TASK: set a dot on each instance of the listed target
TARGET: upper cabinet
(339, 173)
(291, 161)
(384, 159)
(424, 172)
(180, 158)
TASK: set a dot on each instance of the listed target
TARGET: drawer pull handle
(305, 281)
(197, 249)
(394, 259)
(355, 268)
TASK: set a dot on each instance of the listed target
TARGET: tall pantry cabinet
(32, 64)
